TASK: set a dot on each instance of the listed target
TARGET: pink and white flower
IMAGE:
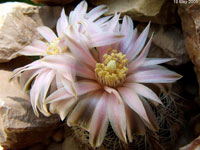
(42, 77)
(55, 54)
(110, 84)
(88, 25)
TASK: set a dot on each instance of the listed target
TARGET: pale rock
(19, 127)
(190, 19)
(168, 42)
(53, 2)
(18, 23)
(161, 12)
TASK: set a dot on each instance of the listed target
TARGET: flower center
(113, 70)
(53, 48)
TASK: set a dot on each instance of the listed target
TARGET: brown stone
(168, 42)
(19, 127)
(190, 17)
(59, 135)
(55, 146)
(161, 12)
(70, 143)
(18, 22)
(38, 146)
(53, 2)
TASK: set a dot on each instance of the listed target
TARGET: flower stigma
(112, 72)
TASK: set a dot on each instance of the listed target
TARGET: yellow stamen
(113, 70)
(53, 48)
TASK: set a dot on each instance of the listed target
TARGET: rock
(59, 135)
(55, 146)
(18, 22)
(15, 63)
(168, 42)
(161, 12)
(19, 127)
(70, 143)
(194, 145)
(53, 2)
(190, 17)
(38, 146)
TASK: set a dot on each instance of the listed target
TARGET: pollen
(53, 48)
(112, 72)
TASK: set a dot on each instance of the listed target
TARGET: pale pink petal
(134, 102)
(62, 45)
(39, 103)
(58, 81)
(83, 71)
(153, 125)
(127, 30)
(47, 33)
(32, 51)
(62, 107)
(34, 65)
(68, 85)
(78, 12)
(64, 19)
(146, 68)
(53, 86)
(35, 92)
(58, 95)
(89, 27)
(70, 17)
(154, 76)
(96, 12)
(27, 78)
(61, 63)
(99, 122)
(134, 124)
(127, 25)
(83, 112)
(102, 21)
(80, 52)
(105, 38)
(141, 58)
(39, 44)
(156, 61)
(62, 23)
(143, 91)
(66, 81)
(43, 90)
(127, 47)
(113, 24)
(46, 84)
(59, 28)
(113, 91)
(117, 117)
(86, 86)
(102, 50)
(138, 45)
